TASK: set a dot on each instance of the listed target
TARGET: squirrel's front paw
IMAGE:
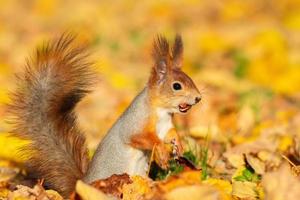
(162, 155)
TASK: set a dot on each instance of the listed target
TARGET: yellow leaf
(238, 172)
(223, 186)
(194, 192)
(9, 147)
(185, 178)
(244, 189)
(136, 189)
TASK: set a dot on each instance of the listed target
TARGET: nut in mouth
(184, 107)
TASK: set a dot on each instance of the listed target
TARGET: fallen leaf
(271, 160)
(222, 185)
(183, 179)
(236, 160)
(256, 164)
(113, 184)
(244, 189)
(194, 192)
(137, 189)
(87, 192)
(35, 193)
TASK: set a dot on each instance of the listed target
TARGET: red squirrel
(58, 77)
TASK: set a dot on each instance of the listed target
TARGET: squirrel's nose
(197, 99)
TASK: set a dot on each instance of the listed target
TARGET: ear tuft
(177, 51)
(161, 56)
(161, 49)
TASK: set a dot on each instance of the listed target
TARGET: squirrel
(58, 77)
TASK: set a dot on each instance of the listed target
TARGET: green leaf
(248, 174)
(191, 157)
(240, 178)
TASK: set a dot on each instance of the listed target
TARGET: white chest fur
(164, 123)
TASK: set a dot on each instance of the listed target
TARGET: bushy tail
(55, 80)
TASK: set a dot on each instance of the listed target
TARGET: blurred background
(243, 55)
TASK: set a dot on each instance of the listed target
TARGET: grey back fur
(114, 155)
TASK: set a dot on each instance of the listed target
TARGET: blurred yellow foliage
(272, 67)
(211, 42)
(10, 146)
(292, 21)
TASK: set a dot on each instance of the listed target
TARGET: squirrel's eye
(177, 86)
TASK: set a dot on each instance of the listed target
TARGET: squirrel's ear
(161, 57)
(177, 51)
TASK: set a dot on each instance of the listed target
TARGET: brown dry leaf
(281, 185)
(271, 160)
(268, 142)
(244, 189)
(113, 184)
(87, 192)
(24, 192)
(256, 164)
(194, 192)
(262, 144)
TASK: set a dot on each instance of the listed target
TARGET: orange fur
(148, 138)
